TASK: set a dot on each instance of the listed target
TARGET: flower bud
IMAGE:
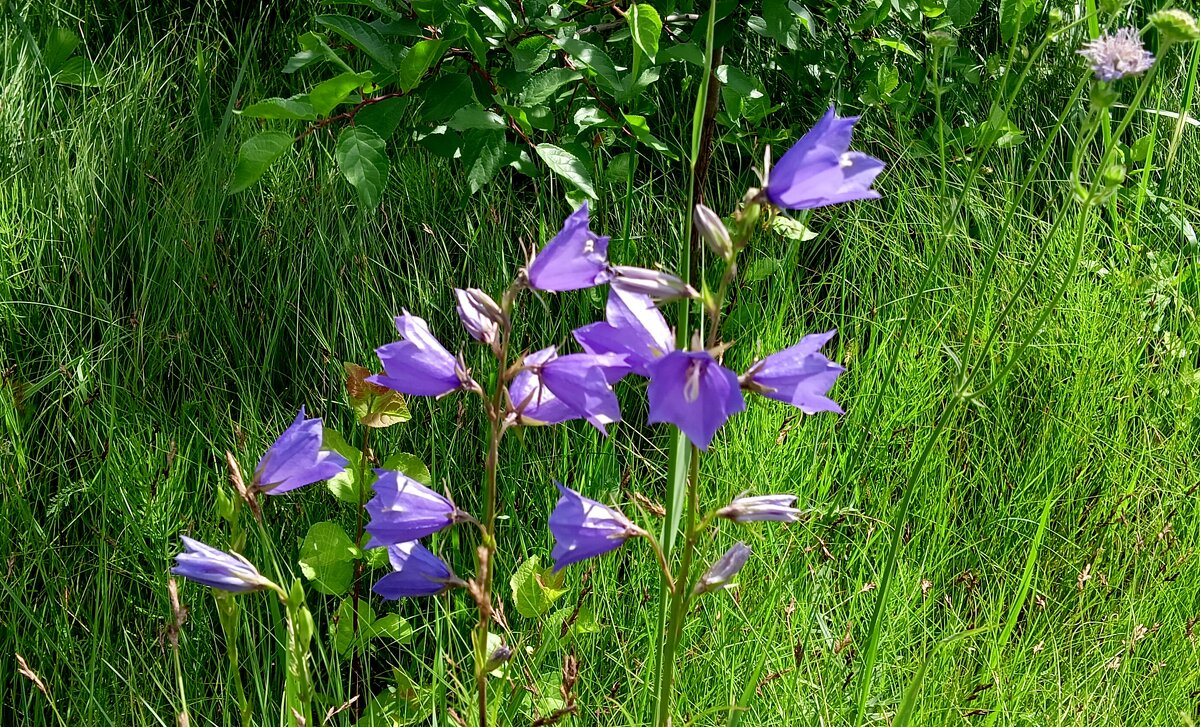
(720, 573)
(1176, 26)
(714, 232)
(653, 283)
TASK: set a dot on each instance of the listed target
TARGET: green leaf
(689, 52)
(646, 27)
(475, 117)
(344, 638)
(255, 155)
(344, 485)
(295, 108)
(326, 96)
(535, 589)
(314, 48)
(420, 57)
(409, 465)
(360, 155)
(362, 36)
(531, 53)
(595, 59)
(568, 166)
(961, 12)
(543, 85)
(327, 558)
(383, 116)
(446, 94)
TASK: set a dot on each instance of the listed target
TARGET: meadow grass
(151, 321)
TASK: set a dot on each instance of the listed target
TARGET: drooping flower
(821, 170)
(576, 258)
(1115, 55)
(695, 393)
(404, 509)
(722, 572)
(415, 572)
(215, 568)
(656, 284)
(634, 327)
(480, 315)
(799, 375)
(761, 507)
(418, 364)
(296, 459)
(584, 528)
(555, 388)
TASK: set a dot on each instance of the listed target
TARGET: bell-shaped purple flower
(296, 459)
(415, 572)
(215, 568)
(761, 507)
(656, 284)
(634, 327)
(723, 571)
(576, 258)
(695, 393)
(404, 509)
(480, 315)
(555, 388)
(584, 528)
(798, 375)
(821, 170)
(418, 364)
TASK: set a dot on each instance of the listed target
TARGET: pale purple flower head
(555, 388)
(584, 528)
(634, 327)
(404, 509)
(296, 459)
(761, 507)
(480, 315)
(415, 572)
(723, 571)
(656, 284)
(418, 364)
(208, 566)
(798, 375)
(1116, 55)
(821, 170)
(576, 258)
(695, 393)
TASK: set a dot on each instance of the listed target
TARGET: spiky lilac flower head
(798, 375)
(404, 509)
(761, 507)
(584, 528)
(296, 459)
(723, 571)
(695, 393)
(576, 258)
(415, 572)
(634, 327)
(656, 284)
(215, 568)
(418, 364)
(480, 315)
(821, 170)
(555, 388)
(1115, 55)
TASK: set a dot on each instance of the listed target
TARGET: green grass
(151, 322)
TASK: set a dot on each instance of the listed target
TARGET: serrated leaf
(383, 117)
(361, 158)
(255, 155)
(295, 108)
(568, 166)
(314, 47)
(595, 59)
(646, 27)
(326, 95)
(542, 86)
(344, 485)
(446, 94)
(327, 558)
(409, 465)
(362, 36)
(475, 117)
(535, 589)
(419, 59)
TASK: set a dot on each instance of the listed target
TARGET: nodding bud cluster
(714, 232)
(720, 574)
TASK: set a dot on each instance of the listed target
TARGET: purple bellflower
(798, 375)
(695, 393)
(480, 315)
(761, 507)
(555, 388)
(634, 327)
(404, 509)
(576, 258)
(418, 365)
(208, 566)
(720, 574)
(821, 170)
(296, 459)
(584, 528)
(415, 572)
(1115, 55)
